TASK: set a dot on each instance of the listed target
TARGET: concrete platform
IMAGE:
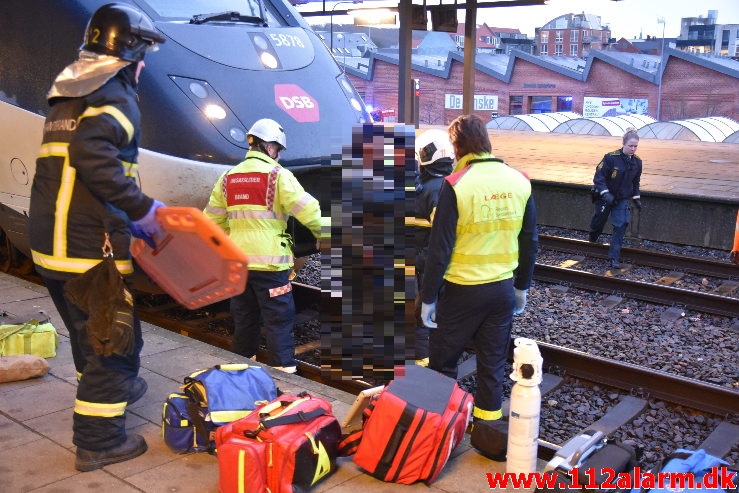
(36, 423)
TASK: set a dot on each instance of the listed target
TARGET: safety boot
(138, 389)
(490, 438)
(89, 460)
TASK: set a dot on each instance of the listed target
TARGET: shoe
(89, 460)
(138, 389)
(490, 438)
(615, 264)
(593, 238)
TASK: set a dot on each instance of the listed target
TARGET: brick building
(572, 35)
(691, 85)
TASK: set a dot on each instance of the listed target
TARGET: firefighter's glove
(637, 203)
(520, 300)
(608, 198)
(428, 315)
(148, 228)
(734, 256)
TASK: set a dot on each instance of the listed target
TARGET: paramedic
(252, 202)
(435, 157)
(480, 262)
(84, 190)
(616, 182)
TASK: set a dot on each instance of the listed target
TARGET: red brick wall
(688, 90)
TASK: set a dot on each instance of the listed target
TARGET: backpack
(411, 427)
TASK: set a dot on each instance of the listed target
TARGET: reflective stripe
(227, 416)
(269, 259)
(483, 259)
(281, 290)
(246, 214)
(99, 409)
(487, 415)
(216, 211)
(240, 474)
(304, 200)
(56, 149)
(121, 118)
(75, 265)
(490, 226)
(130, 169)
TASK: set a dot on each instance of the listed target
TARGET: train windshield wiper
(228, 17)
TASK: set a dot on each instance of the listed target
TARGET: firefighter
(480, 262)
(616, 184)
(435, 158)
(84, 192)
(252, 202)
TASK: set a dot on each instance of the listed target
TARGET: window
(541, 104)
(515, 105)
(564, 103)
(558, 38)
(573, 50)
(544, 50)
(558, 50)
(545, 37)
(573, 36)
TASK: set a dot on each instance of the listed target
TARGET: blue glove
(428, 315)
(609, 198)
(520, 301)
(148, 228)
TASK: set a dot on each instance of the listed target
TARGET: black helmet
(121, 31)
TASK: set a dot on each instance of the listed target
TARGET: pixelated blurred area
(364, 260)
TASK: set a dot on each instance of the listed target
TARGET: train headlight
(269, 60)
(212, 106)
(354, 99)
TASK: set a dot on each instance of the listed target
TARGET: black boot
(593, 238)
(490, 438)
(138, 389)
(89, 460)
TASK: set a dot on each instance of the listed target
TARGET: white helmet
(433, 145)
(268, 131)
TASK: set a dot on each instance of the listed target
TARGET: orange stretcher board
(195, 262)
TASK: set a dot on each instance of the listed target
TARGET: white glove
(520, 301)
(428, 315)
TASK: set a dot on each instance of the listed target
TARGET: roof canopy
(708, 129)
(538, 122)
(604, 125)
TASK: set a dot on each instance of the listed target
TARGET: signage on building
(594, 107)
(482, 102)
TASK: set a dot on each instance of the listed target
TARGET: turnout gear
(267, 130)
(433, 145)
(121, 31)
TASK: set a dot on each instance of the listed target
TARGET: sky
(627, 18)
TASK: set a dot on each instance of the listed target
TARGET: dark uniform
(427, 195)
(483, 245)
(619, 175)
(83, 189)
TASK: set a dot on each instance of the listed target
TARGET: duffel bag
(225, 393)
(411, 427)
(32, 337)
(178, 429)
(286, 446)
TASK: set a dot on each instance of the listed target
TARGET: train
(218, 71)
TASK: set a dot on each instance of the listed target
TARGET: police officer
(435, 157)
(252, 203)
(83, 192)
(480, 262)
(616, 182)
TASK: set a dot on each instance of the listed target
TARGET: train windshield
(210, 10)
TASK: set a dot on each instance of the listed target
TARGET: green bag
(31, 337)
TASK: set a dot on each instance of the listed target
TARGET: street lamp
(660, 20)
(331, 19)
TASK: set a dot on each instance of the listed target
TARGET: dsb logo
(297, 103)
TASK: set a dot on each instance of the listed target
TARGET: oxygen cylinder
(523, 420)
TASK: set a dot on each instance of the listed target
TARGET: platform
(36, 423)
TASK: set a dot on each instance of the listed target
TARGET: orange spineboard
(195, 261)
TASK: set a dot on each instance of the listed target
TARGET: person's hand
(608, 198)
(520, 300)
(637, 203)
(148, 228)
(428, 315)
(734, 256)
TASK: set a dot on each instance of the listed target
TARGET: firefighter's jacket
(619, 175)
(252, 203)
(427, 195)
(84, 184)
